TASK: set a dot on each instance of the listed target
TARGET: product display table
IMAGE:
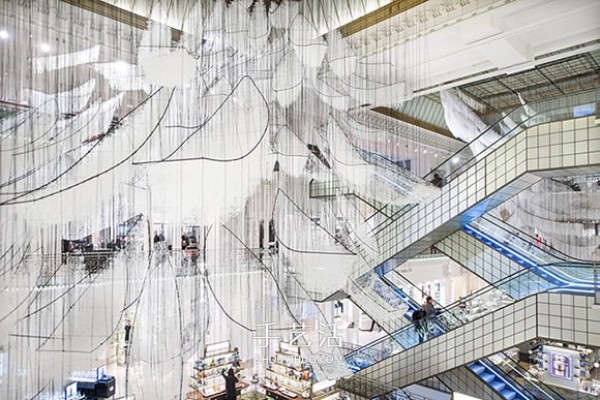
(278, 395)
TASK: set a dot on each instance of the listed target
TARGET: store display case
(208, 381)
(287, 376)
(325, 390)
(568, 367)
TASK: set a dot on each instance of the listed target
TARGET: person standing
(184, 242)
(230, 382)
(429, 311)
(418, 320)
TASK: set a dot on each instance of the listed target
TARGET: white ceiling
(429, 50)
(326, 15)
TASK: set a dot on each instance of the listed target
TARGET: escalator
(566, 273)
(478, 257)
(485, 184)
(481, 182)
(380, 302)
(520, 285)
(512, 164)
(465, 344)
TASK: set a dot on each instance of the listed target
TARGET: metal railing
(552, 110)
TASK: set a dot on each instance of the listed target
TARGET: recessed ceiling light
(45, 47)
(4, 34)
(455, 160)
(425, 151)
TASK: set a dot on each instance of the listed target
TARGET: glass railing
(402, 287)
(518, 286)
(512, 288)
(381, 292)
(508, 241)
(557, 254)
(550, 110)
(499, 235)
(509, 367)
(334, 186)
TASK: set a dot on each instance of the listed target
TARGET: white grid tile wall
(477, 257)
(559, 148)
(554, 316)
(464, 381)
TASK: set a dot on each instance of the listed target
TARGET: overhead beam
(388, 112)
(381, 14)
(117, 14)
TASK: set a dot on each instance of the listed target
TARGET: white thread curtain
(212, 126)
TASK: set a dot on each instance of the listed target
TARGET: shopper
(230, 382)
(236, 359)
(437, 180)
(418, 320)
(430, 312)
(184, 242)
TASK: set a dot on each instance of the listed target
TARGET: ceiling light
(435, 154)
(4, 34)
(45, 47)
(425, 151)
(455, 160)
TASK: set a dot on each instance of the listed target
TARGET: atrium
(299, 199)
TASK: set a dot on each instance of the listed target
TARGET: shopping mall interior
(299, 199)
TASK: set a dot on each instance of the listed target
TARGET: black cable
(82, 157)
(31, 291)
(13, 255)
(166, 159)
(126, 307)
(64, 314)
(31, 114)
(55, 299)
(71, 122)
(279, 190)
(6, 252)
(13, 202)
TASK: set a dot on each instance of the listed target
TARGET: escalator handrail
(450, 309)
(527, 376)
(567, 258)
(510, 382)
(511, 114)
(544, 268)
(468, 163)
(444, 333)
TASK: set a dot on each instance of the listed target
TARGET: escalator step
(508, 394)
(498, 386)
(478, 369)
(486, 376)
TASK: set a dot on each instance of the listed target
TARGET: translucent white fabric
(51, 63)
